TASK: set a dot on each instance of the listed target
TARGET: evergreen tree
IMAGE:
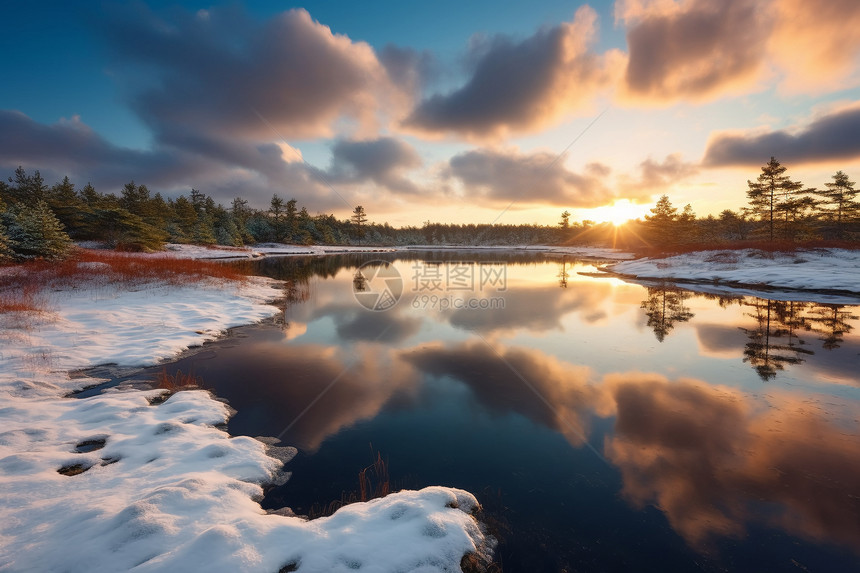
(185, 217)
(67, 206)
(292, 223)
(661, 224)
(6, 252)
(124, 230)
(90, 196)
(841, 198)
(358, 219)
(772, 193)
(565, 221)
(277, 216)
(34, 232)
(241, 213)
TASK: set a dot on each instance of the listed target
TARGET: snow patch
(124, 480)
(818, 269)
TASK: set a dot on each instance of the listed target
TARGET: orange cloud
(520, 86)
(710, 460)
(817, 44)
(694, 50)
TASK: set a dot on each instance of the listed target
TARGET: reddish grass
(115, 268)
(21, 284)
(21, 300)
(178, 381)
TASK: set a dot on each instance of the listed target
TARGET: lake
(603, 425)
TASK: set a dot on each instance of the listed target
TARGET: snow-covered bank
(125, 481)
(264, 250)
(822, 270)
(277, 249)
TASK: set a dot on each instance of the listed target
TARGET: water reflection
(685, 425)
(664, 307)
(715, 462)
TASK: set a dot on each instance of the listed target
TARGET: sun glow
(618, 213)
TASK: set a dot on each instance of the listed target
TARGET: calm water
(604, 426)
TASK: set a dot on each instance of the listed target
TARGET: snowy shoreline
(830, 273)
(125, 479)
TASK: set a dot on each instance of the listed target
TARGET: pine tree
(6, 252)
(661, 224)
(565, 221)
(840, 196)
(67, 206)
(772, 193)
(278, 218)
(359, 218)
(34, 232)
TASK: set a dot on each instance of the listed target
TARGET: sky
(464, 112)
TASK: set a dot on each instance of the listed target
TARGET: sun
(619, 212)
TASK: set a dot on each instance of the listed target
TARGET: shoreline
(141, 455)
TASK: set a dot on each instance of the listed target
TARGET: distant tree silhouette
(665, 307)
(565, 221)
(359, 218)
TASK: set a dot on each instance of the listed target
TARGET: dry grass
(373, 482)
(178, 381)
(23, 286)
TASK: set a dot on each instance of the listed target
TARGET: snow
(153, 485)
(263, 249)
(818, 269)
(279, 249)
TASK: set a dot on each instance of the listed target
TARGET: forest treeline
(778, 209)
(42, 221)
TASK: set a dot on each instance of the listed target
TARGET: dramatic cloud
(382, 161)
(519, 86)
(703, 49)
(409, 69)
(504, 176)
(827, 138)
(223, 169)
(817, 44)
(694, 50)
(655, 176)
(220, 73)
(710, 460)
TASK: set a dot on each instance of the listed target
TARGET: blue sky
(446, 110)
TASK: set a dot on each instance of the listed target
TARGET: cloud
(410, 69)
(535, 309)
(498, 383)
(710, 460)
(519, 86)
(698, 50)
(654, 176)
(832, 136)
(695, 50)
(539, 177)
(214, 75)
(817, 44)
(222, 169)
(382, 161)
